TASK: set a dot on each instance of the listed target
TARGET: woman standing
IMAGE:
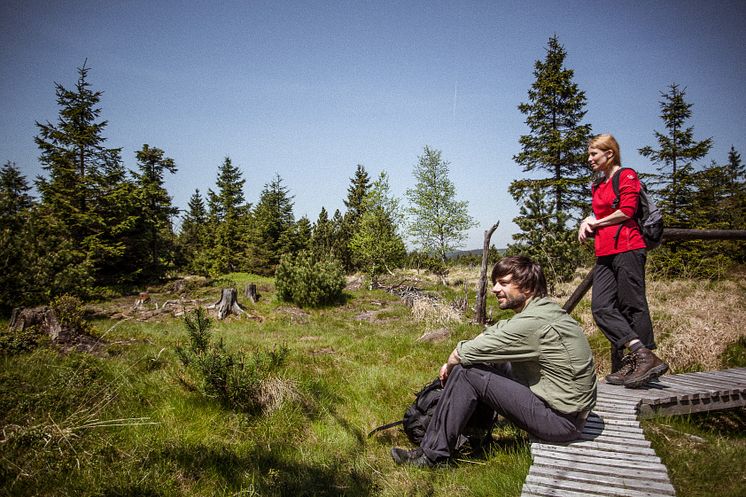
(619, 305)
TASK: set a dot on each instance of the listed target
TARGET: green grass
(127, 422)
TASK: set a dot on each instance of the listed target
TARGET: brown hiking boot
(648, 366)
(628, 365)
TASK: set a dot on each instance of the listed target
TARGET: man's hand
(446, 368)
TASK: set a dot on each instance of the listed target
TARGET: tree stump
(228, 304)
(250, 293)
(43, 316)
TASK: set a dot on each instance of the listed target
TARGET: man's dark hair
(525, 273)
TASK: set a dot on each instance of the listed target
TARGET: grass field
(129, 419)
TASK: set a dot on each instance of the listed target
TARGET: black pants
(619, 305)
(467, 386)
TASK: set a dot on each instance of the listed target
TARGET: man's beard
(516, 302)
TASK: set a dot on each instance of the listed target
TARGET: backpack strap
(386, 427)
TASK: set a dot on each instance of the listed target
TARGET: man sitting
(536, 369)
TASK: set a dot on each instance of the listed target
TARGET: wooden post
(480, 310)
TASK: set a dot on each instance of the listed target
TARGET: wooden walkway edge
(612, 456)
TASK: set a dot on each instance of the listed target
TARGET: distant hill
(477, 252)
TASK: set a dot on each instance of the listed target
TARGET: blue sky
(308, 90)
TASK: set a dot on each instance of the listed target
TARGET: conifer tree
(675, 157)
(155, 207)
(439, 222)
(377, 245)
(15, 209)
(558, 138)
(273, 222)
(355, 203)
(85, 196)
(193, 235)
(229, 217)
(556, 145)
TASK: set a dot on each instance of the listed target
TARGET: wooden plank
(612, 456)
(600, 469)
(562, 460)
(607, 439)
(648, 456)
(618, 481)
(591, 488)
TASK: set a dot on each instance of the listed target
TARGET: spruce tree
(273, 222)
(355, 203)
(84, 197)
(193, 235)
(439, 222)
(15, 211)
(229, 218)
(377, 245)
(557, 146)
(676, 156)
(558, 138)
(156, 207)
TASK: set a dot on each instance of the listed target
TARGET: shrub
(308, 281)
(234, 379)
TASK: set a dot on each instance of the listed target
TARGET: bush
(234, 379)
(309, 282)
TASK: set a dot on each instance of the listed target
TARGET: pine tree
(675, 157)
(439, 221)
(557, 143)
(272, 227)
(155, 207)
(377, 245)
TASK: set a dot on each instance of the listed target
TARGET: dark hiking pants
(619, 305)
(468, 386)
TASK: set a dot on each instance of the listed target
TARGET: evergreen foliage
(272, 229)
(235, 380)
(439, 222)
(356, 205)
(156, 209)
(676, 156)
(557, 145)
(308, 281)
(193, 236)
(377, 245)
(229, 218)
(15, 210)
(558, 139)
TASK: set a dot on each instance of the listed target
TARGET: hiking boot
(628, 366)
(648, 366)
(414, 457)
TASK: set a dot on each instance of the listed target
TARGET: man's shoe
(648, 366)
(628, 366)
(414, 457)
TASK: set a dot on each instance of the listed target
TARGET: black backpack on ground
(647, 215)
(418, 415)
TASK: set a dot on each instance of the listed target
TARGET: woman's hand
(587, 229)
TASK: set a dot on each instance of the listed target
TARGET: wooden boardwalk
(612, 457)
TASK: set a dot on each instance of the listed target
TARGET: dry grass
(694, 320)
(434, 312)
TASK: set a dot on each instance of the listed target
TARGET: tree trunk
(228, 304)
(250, 293)
(480, 311)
